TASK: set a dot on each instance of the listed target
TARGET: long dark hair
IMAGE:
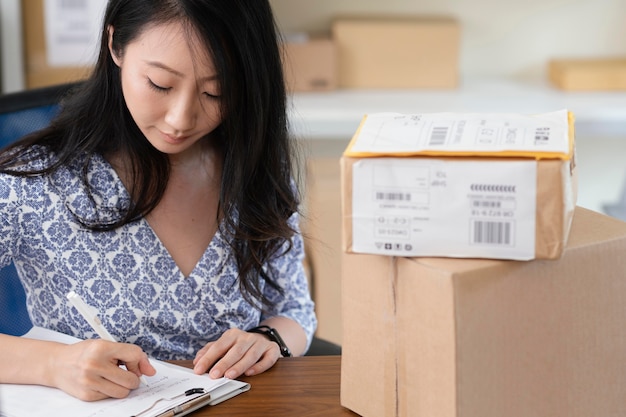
(257, 186)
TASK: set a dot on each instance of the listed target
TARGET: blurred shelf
(336, 115)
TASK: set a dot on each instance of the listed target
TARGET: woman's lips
(174, 139)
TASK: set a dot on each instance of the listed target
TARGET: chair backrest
(22, 113)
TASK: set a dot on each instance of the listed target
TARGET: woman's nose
(182, 113)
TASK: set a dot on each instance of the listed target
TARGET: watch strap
(274, 336)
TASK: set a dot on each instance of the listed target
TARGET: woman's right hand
(90, 370)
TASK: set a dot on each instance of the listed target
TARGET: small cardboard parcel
(467, 185)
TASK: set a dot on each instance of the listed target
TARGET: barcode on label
(542, 135)
(486, 204)
(387, 196)
(438, 135)
(70, 5)
(492, 233)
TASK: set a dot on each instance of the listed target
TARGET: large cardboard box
(378, 52)
(499, 186)
(310, 64)
(443, 337)
(607, 74)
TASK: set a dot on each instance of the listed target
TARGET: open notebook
(174, 390)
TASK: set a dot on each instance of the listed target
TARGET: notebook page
(169, 381)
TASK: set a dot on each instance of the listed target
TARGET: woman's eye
(157, 87)
(211, 95)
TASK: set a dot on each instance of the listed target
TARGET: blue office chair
(22, 113)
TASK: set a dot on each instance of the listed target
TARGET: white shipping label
(459, 132)
(72, 29)
(435, 207)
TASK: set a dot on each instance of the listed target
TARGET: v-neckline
(163, 249)
(144, 223)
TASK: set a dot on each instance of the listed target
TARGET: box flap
(541, 136)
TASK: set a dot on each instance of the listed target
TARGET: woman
(163, 194)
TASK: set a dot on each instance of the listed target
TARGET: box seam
(457, 357)
(394, 286)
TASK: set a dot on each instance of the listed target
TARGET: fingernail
(215, 374)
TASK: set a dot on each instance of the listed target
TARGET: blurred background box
(59, 40)
(468, 337)
(420, 52)
(322, 230)
(310, 63)
(588, 74)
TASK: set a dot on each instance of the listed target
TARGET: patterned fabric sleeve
(8, 213)
(288, 270)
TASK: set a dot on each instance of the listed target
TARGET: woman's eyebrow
(157, 64)
(162, 66)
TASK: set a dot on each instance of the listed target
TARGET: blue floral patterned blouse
(127, 274)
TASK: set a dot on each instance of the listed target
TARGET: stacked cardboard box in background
(310, 63)
(588, 74)
(380, 52)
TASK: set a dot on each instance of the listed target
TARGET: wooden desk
(304, 387)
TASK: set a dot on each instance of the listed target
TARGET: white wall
(510, 38)
(11, 63)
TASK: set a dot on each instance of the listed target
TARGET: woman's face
(171, 90)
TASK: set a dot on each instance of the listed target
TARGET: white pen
(93, 320)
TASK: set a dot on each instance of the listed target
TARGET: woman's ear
(114, 55)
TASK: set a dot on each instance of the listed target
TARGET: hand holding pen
(114, 380)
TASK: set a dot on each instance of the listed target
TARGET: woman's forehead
(177, 44)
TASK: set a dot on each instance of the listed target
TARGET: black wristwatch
(273, 335)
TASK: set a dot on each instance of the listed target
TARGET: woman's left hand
(235, 353)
